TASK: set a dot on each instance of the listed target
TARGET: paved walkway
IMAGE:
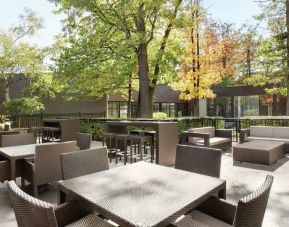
(241, 180)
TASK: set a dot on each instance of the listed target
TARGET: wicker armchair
(32, 212)
(249, 212)
(18, 139)
(83, 140)
(46, 166)
(207, 137)
(81, 163)
(201, 160)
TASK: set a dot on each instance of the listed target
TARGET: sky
(230, 11)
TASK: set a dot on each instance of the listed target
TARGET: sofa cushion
(251, 138)
(213, 141)
(209, 130)
(261, 131)
(281, 132)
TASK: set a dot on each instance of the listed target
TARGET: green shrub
(160, 116)
(94, 127)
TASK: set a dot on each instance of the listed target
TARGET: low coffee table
(259, 152)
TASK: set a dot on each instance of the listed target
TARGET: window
(113, 110)
(246, 106)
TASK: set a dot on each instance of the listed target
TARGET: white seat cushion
(213, 141)
(207, 220)
(251, 138)
(261, 131)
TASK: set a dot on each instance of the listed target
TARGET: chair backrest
(48, 161)
(84, 162)
(251, 209)
(18, 139)
(210, 130)
(30, 211)
(6, 133)
(83, 140)
(202, 160)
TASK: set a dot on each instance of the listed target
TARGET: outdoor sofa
(268, 133)
(208, 137)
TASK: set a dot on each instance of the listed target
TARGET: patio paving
(241, 180)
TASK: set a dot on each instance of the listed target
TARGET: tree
(276, 14)
(212, 52)
(124, 34)
(20, 60)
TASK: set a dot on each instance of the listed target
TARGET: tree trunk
(129, 97)
(195, 55)
(287, 46)
(146, 90)
(7, 93)
(145, 99)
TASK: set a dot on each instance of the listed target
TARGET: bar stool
(140, 142)
(109, 140)
(121, 145)
(37, 132)
(50, 134)
(150, 133)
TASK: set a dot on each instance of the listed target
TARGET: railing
(35, 120)
(94, 123)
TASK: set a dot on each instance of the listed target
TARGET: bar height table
(166, 137)
(68, 127)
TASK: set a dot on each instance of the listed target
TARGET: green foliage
(94, 127)
(22, 61)
(23, 106)
(160, 116)
(3, 119)
(106, 43)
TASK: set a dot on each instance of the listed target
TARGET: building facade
(230, 102)
(242, 101)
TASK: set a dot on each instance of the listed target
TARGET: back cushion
(210, 130)
(281, 132)
(261, 131)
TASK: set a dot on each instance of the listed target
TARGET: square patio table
(15, 153)
(142, 194)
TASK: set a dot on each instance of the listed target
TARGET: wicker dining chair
(18, 139)
(83, 140)
(6, 133)
(32, 212)
(4, 169)
(84, 162)
(249, 212)
(202, 160)
(46, 166)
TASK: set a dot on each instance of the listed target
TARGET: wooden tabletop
(143, 194)
(18, 152)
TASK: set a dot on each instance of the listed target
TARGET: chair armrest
(225, 133)
(69, 212)
(219, 208)
(205, 136)
(28, 170)
(243, 134)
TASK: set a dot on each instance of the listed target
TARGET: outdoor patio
(241, 180)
